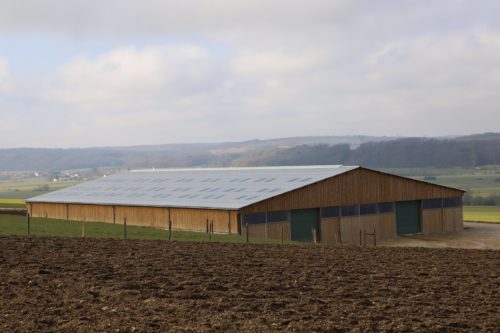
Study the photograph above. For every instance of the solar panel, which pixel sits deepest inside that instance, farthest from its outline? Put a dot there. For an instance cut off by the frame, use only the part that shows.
(223, 188)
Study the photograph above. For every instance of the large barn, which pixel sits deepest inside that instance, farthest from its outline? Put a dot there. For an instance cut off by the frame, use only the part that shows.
(337, 203)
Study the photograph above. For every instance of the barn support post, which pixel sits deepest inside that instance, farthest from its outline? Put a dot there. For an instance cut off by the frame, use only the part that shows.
(229, 222)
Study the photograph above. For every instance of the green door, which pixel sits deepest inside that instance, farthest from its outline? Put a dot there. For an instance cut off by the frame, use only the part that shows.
(408, 217)
(302, 222)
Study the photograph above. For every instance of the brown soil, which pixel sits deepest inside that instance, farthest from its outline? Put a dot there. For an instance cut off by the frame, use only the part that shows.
(75, 285)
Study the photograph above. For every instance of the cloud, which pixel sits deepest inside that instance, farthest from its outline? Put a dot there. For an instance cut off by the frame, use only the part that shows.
(133, 79)
(6, 84)
(173, 71)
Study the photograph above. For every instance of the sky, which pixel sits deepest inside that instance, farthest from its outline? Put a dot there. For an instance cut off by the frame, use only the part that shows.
(81, 73)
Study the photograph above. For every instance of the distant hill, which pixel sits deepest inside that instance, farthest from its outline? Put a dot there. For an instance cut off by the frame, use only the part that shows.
(380, 152)
(159, 156)
(400, 153)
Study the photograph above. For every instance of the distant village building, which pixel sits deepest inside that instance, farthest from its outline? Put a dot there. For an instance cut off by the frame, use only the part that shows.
(332, 204)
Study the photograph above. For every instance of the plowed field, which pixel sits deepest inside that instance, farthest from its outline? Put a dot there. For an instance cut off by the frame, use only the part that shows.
(82, 285)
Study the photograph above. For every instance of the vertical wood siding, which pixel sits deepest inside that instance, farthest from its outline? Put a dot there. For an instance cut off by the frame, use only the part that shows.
(330, 230)
(432, 221)
(453, 219)
(196, 219)
(141, 216)
(275, 229)
(48, 210)
(359, 186)
(156, 217)
(90, 213)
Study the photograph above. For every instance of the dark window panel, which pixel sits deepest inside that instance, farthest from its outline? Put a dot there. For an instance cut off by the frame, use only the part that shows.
(433, 203)
(385, 207)
(254, 218)
(330, 212)
(352, 210)
(368, 209)
(452, 202)
(277, 216)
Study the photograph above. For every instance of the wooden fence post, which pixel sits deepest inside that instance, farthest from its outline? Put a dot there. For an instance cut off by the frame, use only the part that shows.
(210, 227)
(314, 235)
(246, 231)
(282, 235)
(29, 225)
(83, 228)
(374, 237)
(125, 228)
(169, 229)
(360, 244)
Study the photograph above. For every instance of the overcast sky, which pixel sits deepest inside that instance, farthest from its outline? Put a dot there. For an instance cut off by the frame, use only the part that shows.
(98, 73)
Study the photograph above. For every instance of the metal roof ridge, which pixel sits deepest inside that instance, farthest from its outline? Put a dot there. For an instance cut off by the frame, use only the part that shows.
(287, 167)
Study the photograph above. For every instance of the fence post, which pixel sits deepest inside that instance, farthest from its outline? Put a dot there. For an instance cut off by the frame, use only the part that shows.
(314, 235)
(125, 228)
(246, 231)
(360, 243)
(169, 229)
(83, 228)
(374, 238)
(208, 230)
(29, 225)
(281, 235)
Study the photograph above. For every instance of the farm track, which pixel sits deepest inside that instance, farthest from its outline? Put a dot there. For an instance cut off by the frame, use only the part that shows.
(84, 285)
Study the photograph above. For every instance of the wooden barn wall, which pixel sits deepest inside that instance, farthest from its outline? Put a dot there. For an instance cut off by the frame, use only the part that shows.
(142, 216)
(387, 226)
(442, 220)
(182, 218)
(272, 230)
(359, 186)
(276, 229)
(432, 221)
(196, 219)
(453, 219)
(349, 229)
(48, 210)
(92, 213)
(330, 230)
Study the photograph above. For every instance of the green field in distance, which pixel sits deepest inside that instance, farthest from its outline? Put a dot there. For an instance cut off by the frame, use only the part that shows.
(482, 213)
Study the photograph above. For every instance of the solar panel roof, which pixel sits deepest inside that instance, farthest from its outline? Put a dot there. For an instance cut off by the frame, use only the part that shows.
(213, 188)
